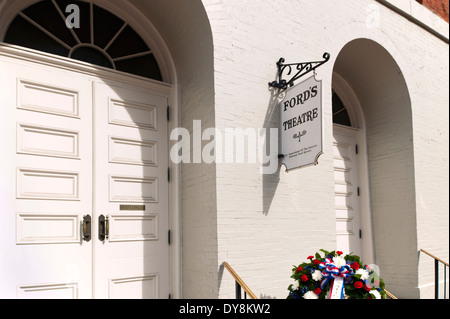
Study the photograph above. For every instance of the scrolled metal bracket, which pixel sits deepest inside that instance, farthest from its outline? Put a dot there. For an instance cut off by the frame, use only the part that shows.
(302, 68)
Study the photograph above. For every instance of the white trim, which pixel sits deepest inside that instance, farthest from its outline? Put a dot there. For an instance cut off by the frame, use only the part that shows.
(47, 59)
(354, 110)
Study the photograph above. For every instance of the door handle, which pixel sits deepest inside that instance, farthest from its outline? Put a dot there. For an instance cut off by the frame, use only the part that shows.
(87, 225)
(103, 228)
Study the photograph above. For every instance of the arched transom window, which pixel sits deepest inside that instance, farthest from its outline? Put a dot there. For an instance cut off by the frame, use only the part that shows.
(89, 33)
(340, 112)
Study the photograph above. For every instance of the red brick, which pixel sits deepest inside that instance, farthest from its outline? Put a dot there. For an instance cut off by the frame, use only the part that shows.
(440, 7)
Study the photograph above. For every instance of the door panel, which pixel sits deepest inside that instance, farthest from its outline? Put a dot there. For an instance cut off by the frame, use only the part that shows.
(347, 203)
(42, 253)
(132, 190)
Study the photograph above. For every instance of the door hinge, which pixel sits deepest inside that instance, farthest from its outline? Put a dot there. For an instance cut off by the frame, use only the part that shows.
(360, 233)
(169, 175)
(169, 237)
(357, 149)
(358, 190)
(168, 113)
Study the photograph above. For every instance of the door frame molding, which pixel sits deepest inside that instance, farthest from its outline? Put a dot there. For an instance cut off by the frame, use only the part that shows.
(168, 90)
(354, 109)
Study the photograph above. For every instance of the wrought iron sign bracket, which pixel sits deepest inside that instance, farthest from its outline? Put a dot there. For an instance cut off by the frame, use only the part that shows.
(302, 69)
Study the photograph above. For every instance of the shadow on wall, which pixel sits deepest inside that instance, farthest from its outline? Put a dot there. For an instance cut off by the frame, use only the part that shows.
(271, 120)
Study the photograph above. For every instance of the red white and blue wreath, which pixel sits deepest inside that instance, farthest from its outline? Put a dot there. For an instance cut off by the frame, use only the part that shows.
(335, 276)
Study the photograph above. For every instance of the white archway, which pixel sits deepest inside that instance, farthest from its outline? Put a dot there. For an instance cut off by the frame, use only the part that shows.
(380, 87)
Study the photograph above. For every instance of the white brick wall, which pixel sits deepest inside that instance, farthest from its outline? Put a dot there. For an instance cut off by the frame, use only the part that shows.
(263, 224)
(431, 158)
(266, 224)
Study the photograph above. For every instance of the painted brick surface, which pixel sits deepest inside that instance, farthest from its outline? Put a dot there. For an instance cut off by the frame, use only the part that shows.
(267, 223)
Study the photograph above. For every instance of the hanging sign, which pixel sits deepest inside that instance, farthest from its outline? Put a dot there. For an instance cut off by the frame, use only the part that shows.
(301, 125)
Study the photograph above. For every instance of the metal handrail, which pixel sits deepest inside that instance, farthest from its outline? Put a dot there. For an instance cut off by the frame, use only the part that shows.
(433, 256)
(390, 295)
(239, 283)
(436, 274)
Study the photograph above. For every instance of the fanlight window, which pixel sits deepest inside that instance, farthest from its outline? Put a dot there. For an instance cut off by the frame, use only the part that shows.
(102, 38)
(340, 113)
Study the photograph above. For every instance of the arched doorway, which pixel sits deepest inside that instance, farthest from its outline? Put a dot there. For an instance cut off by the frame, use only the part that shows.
(352, 204)
(85, 195)
(378, 83)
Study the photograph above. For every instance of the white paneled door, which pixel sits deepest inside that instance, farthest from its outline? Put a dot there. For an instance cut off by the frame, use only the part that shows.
(347, 190)
(83, 185)
(131, 184)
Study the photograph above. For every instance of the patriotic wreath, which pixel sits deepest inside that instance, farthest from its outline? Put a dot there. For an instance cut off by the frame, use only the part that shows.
(335, 276)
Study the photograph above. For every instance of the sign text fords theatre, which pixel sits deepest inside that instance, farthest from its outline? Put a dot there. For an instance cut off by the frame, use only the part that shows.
(301, 124)
(299, 100)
